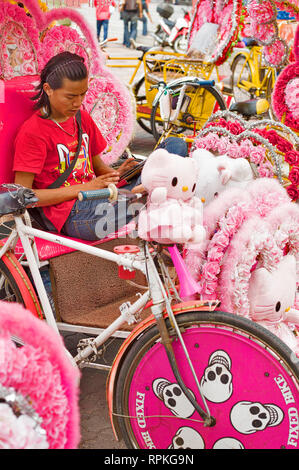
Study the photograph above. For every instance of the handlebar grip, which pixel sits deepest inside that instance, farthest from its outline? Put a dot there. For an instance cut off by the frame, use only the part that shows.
(110, 193)
(206, 82)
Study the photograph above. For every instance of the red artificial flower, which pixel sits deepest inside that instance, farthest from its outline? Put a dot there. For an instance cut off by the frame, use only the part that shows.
(292, 157)
(294, 175)
(293, 192)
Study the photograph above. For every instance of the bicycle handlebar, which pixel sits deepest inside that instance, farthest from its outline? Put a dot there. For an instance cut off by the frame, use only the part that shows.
(107, 193)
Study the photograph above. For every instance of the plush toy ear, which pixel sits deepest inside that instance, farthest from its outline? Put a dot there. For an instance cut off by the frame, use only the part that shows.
(224, 172)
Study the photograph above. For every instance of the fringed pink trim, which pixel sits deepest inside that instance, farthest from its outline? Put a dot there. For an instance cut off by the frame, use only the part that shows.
(15, 320)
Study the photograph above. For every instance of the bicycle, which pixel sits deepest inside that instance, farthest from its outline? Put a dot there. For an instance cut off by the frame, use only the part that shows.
(178, 380)
(250, 77)
(159, 65)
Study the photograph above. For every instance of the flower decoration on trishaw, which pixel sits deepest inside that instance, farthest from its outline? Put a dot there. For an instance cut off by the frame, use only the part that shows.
(38, 384)
(28, 42)
(285, 94)
(215, 29)
(251, 217)
(264, 28)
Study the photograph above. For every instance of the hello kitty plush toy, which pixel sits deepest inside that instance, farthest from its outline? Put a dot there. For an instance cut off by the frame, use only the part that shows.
(219, 173)
(173, 213)
(272, 297)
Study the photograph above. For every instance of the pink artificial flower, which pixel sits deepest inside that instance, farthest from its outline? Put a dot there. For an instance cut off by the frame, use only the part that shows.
(223, 145)
(275, 52)
(263, 11)
(221, 239)
(257, 155)
(210, 271)
(233, 150)
(263, 32)
(212, 141)
(266, 170)
(292, 97)
(19, 432)
(246, 147)
(215, 254)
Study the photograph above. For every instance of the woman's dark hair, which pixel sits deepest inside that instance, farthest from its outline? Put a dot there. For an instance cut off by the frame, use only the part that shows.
(63, 65)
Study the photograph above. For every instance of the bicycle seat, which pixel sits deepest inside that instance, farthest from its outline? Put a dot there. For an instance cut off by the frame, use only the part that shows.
(144, 49)
(169, 23)
(250, 107)
(250, 42)
(15, 198)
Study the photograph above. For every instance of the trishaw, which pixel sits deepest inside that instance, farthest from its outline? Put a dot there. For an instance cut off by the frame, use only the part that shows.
(179, 380)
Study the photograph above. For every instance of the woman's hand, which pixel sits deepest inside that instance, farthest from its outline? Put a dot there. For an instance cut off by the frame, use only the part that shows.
(128, 164)
(102, 181)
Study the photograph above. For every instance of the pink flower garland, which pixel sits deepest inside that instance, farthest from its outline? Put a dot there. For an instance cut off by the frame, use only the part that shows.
(62, 38)
(262, 15)
(254, 153)
(27, 40)
(285, 97)
(237, 145)
(228, 16)
(41, 372)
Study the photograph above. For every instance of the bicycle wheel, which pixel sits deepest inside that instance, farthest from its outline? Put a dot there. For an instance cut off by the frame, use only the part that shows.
(180, 44)
(9, 290)
(140, 98)
(198, 105)
(241, 73)
(249, 379)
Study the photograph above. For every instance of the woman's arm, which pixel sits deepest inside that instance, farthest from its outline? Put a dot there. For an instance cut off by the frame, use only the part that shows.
(50, 197)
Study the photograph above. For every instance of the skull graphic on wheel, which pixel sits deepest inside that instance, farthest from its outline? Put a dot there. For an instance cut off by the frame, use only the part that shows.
(216, 383)
(248, 417)
(173, 397)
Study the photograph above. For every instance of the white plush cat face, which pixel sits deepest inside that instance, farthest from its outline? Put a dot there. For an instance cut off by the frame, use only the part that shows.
(177, 174)
(272, 293)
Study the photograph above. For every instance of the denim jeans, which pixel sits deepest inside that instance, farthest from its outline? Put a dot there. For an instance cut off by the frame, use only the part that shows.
(94, 219)
(144, 25)
(130, 27)
(103, 23)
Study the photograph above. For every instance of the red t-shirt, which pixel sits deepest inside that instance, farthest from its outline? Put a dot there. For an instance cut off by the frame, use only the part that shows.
(44, 149)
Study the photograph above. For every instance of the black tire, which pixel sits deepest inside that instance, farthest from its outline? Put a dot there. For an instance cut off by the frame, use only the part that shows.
(9, 290)
(239, 74)
(140, 99)
(158, 127)
(144, 343)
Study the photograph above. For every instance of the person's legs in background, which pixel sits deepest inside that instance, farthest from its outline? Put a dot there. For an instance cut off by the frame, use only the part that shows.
(99, 26)
(105, 26)
(133, 30)
(126, 32)
(144, 25)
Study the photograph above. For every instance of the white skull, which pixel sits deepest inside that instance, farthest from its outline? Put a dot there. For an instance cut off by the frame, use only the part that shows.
(173, 397)
(228, 443)
(248, 417)
(187, 438)
(216, 383)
